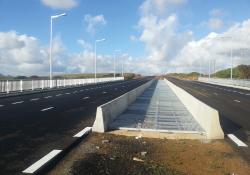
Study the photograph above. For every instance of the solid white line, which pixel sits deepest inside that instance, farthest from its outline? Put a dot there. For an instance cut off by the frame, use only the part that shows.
(48, 97)
(85, 98)
(46, 109)
(237, 101)
(34, 99)
(236, 140)
(83, 132)
(34, 167)
(18, 102)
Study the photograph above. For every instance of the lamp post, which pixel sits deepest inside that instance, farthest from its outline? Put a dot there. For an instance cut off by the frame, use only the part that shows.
(231, 53)
(50, 55)
(97, 41)
(115, 60)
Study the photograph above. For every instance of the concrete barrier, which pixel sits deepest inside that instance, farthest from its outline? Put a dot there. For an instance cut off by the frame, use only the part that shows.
(107, 112)
(205, 115)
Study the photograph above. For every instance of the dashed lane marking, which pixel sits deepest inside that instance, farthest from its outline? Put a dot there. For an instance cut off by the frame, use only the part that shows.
(34, 99)
(236, 140)
(48, 97)
(67, 93)
(46, 109)
(58, 95)
(84, 98)
(1, 106)
(104, 92)
(34, 167)
(215, 94)
(83, 132)
(18, 102)
(237, 101)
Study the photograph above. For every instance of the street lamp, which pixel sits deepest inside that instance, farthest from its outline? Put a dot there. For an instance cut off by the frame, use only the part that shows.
(97, 41)
(125, 54)
(115, 60)
(50, 55)
(230, 37)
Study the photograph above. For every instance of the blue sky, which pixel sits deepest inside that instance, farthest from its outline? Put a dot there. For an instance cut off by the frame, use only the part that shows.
(126, 26)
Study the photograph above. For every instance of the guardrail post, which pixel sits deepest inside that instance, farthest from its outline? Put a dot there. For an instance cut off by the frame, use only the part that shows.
(21, 85)
(7, 88)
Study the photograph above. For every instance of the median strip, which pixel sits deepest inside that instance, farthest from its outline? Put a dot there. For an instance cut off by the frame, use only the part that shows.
(37, 165)
(18, 102)
(236, 140)
(83, 132)
(46, 109)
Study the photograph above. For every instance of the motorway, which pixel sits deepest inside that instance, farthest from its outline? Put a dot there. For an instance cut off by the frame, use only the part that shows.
(33, 125)
(233, 106)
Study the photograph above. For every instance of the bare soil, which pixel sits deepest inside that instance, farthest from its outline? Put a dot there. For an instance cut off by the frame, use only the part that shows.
(108, 154)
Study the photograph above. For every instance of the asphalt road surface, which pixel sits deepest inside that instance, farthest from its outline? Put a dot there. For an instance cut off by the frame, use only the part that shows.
(233, 106)
(33, 125)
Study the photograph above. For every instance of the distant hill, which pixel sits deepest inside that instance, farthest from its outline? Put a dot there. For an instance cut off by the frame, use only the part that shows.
(239, 72)
(188, 76)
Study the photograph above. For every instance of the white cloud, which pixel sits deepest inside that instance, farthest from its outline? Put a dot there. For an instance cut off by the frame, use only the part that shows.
(217, 13)
(93, 22)
(60, 4)
(133, 38)
(213, 24)
(84, 44)
(158, 28)
(216, 47)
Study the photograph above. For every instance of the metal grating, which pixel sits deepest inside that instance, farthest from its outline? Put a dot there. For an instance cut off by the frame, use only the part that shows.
(158, 108)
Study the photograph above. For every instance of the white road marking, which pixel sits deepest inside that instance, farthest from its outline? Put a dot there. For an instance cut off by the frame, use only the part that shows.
(46, 109)
(1, 106)
(48, 97)
(247, 94)
(34, 99)
(85, 98)
(58, 95)
(83, 132)
(67, 93)
(104, 92)
(236, 140)
(237, 101)
(241, 93)
(34, 167)
(81, 90)
(18, 102)
(215, 94)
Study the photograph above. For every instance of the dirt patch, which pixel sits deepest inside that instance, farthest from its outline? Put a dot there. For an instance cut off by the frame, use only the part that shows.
(112, 154)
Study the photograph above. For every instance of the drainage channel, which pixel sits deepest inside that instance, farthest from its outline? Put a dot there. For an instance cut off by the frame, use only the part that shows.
(157, 109)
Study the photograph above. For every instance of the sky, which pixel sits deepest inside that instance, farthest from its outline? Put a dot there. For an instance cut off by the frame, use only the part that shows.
(153, 36)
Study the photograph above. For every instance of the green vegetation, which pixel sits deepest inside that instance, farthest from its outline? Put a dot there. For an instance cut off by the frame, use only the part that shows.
(239, 72)
(189, 76)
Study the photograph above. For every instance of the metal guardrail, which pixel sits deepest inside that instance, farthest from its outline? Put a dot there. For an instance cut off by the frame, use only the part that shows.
(222, 81)
(23, 85)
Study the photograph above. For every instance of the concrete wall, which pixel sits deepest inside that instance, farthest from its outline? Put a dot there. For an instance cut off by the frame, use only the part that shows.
(241, 84)
(107, 112)
(205, 115)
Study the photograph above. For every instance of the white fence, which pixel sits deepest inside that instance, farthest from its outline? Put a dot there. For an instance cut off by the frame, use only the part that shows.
(224, 81)
(22, 85)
